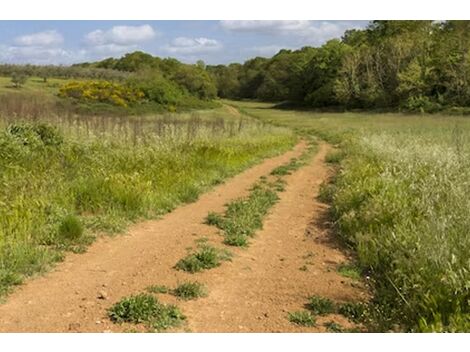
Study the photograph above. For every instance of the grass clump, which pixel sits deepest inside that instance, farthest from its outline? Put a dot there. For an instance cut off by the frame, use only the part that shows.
(349, 270)
(70, 228)
(244, 216)
(190, 290)
(320, 305)
(287, 169)
(302, 318)
(144, 308)
(205, 257)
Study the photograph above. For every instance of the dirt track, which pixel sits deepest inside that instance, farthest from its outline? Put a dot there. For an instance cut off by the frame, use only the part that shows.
(253, 293)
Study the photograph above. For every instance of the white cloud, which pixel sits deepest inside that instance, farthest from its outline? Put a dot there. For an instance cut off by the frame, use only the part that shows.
(121, 35)
(189, 46)
(42, 39)
(315, 32)
(37, 55)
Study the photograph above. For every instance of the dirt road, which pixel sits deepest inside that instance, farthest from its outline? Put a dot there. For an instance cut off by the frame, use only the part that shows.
(254, 292)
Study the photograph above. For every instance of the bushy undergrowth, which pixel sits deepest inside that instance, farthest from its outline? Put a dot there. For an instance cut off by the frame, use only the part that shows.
(100, 174)
(404, 207)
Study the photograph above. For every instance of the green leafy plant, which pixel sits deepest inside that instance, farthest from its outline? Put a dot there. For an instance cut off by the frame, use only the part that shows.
(70, 228)
(144, 308)
(190, 290)
(302, 318)
(205, 257)
(320, 305)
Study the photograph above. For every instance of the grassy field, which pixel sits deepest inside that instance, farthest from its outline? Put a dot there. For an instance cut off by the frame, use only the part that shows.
(66, 178)
(32, 85)
(400, 200)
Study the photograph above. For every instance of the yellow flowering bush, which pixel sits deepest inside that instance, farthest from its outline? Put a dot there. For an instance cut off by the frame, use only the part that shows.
(101, 91)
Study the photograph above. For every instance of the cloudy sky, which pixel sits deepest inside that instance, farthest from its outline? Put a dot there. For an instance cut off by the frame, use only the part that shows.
(66, 42)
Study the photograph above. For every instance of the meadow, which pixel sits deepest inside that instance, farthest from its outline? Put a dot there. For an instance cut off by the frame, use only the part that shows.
(68, 178)
(399, 200)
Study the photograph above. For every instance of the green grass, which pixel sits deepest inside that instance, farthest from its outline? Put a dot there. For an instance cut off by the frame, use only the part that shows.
(244, 216)
(146, 309)
(302, 318)
(70, 228)
(320, 305)
(349, 270)
(63, 184)
(400, 200)
(354, 311)
(204, 258)
(190, 290)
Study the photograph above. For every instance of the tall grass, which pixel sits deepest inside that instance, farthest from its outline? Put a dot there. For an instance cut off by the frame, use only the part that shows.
(62, 173)
(401, 200)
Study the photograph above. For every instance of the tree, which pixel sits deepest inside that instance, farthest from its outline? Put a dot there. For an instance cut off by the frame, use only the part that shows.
(18, 79)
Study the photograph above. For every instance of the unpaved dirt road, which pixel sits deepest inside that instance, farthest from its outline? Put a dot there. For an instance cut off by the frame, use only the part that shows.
(253, 293)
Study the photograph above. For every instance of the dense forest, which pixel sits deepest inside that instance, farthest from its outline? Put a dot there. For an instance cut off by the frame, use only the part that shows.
(392, 65)
(408, 65)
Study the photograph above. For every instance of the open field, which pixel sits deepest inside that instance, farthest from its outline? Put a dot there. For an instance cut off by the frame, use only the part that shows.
(400, 199)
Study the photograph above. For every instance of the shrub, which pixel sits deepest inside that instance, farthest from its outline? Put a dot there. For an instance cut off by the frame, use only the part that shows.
(101, 91)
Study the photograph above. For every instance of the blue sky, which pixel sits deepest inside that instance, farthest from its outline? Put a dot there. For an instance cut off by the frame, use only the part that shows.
(66, 42)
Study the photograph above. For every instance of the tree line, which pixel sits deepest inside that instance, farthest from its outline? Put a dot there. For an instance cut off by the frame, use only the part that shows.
(405, 65)
(409, 65)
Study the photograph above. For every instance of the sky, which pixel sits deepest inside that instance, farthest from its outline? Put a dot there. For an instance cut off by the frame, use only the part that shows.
(214, 42)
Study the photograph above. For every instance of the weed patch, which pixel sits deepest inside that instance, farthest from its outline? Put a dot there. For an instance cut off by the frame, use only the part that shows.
(320, 305)
(302, 318)
(144, 308)
(205, 257)
(190, 290)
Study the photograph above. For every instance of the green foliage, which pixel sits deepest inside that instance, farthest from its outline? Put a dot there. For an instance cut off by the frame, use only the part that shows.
(320, 305)
(350, 270)
(18, 79)
(144, 308)
(400, 201)
(302, 318)
(205, 257)
(102, 92)
(190, 290)
(144, 168)
(354, 311)
(70, 228)
(244, 216)
(417, 66)
(35, 134)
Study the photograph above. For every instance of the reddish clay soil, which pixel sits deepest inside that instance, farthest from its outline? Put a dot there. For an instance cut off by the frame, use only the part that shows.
(252, 293)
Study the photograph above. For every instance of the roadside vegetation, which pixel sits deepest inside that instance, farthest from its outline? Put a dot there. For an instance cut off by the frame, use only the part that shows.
(399, 200)
(64, 179)
(147, 310)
